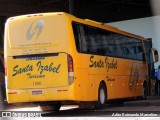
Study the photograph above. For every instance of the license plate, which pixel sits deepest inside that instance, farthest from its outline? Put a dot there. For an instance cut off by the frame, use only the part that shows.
(36, 92)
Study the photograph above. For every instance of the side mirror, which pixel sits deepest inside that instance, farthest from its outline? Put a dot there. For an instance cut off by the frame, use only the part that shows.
(155, 55)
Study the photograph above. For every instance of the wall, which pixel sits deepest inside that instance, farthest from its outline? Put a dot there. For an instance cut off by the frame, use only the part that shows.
(147, 27)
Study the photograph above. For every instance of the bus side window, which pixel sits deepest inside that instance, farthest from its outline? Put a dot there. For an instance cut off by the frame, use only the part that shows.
(76, 37)
(92, 45)
(119, 39)
(111, 47)
(108, 44)
(98, 40)
(130, 48)
(104, 44)
(80, 38)
(83, 39)
(139, 50)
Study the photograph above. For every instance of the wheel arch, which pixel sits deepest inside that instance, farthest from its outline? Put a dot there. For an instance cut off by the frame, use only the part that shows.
(103, 82)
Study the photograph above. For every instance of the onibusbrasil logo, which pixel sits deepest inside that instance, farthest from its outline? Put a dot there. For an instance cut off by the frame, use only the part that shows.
(34, 30)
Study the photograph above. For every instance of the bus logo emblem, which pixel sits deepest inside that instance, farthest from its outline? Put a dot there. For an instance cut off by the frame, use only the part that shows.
(34, 30)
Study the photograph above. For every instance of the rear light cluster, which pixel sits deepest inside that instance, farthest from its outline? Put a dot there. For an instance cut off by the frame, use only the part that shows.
(70, 70)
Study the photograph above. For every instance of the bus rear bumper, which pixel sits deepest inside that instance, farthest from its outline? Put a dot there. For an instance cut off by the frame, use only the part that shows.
(39, 95)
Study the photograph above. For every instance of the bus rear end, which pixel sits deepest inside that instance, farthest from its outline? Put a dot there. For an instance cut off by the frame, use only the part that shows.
(38, 66)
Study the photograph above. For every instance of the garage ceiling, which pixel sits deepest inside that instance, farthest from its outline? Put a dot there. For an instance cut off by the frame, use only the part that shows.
(116, 10)
(99, 10)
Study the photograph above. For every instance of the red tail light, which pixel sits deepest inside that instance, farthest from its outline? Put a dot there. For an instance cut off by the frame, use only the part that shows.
(70, 64)
(70, 70)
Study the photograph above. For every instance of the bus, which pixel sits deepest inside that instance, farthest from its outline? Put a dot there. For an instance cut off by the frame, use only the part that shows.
(53, 59)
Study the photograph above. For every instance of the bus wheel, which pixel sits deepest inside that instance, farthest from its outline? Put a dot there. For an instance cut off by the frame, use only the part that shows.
(55, 107)
(144, 90)
(102, 96)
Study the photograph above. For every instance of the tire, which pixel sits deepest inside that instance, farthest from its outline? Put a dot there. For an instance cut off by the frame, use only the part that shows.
(102, 96)
(55, 107)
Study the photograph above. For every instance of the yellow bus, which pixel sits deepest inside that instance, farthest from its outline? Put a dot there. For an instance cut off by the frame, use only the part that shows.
(55, 58)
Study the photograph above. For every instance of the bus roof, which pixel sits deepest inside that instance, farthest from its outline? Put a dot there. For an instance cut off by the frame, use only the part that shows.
(83, 21)
(103, 26)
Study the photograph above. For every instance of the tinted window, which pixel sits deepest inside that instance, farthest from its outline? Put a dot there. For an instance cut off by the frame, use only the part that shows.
(94, 40)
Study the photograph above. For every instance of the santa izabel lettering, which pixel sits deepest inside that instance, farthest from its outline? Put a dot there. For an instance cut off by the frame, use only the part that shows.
(19, 70)
(49, 68)
(39, 66)
(103, 63)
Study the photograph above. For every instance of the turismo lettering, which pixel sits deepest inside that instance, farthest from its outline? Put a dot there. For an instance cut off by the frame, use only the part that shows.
(106, 63)
(34, 76)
